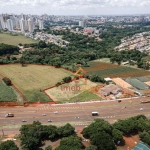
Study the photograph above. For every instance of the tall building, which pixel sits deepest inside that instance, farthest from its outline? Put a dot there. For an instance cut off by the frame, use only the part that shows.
(41, 26)
(3, 22)
(13, 21)
(30, 25)
(82, 24)
(10, 25)
(17, 23)
(22, 25)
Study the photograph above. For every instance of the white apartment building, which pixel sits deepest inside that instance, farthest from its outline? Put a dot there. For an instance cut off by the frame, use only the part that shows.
(30, 25)
(82, 24)
(17, 21)
(10, 25)
(22, 25)
(3, 22)
(41, 25)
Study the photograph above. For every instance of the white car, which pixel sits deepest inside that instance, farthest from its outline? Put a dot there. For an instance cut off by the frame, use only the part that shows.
(141, 109)
(56, 112)
(49, 120)
(24, 120)
(43, 114)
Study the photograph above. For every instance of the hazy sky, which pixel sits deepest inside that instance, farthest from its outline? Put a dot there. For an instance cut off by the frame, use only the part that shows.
(75, 7)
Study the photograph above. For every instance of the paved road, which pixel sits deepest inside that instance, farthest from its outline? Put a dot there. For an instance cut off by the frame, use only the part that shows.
(111, 111)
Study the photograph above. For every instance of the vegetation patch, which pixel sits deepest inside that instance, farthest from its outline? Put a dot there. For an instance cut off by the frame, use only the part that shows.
(85, 96)
(113, 71)
(6, 93)
(7, 38)
(32, 79)
(70, 91)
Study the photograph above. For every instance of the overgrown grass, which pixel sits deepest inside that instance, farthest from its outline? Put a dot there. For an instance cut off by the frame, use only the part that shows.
(6, 93)
(85, 96)
(7, 38)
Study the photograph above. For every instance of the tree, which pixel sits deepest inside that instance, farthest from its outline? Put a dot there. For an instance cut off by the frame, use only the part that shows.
(145, 137)
(48, 147)
(66, 130)
(70, 143)
(117, 135)
(92, 147)
(103, 141)
(8, 145)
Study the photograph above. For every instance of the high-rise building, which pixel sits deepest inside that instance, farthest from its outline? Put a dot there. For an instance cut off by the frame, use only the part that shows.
(13, 21)
(41, 26)
(10, 25)
(30, 25)
(17, 23)
(22, 25)
(3, 22)
(82, 24)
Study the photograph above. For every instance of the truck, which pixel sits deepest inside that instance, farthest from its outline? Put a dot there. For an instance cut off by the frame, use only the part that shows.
(9, 115)
(95, 113)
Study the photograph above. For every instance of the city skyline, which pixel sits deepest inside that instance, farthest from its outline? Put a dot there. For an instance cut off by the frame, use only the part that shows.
(75, 7)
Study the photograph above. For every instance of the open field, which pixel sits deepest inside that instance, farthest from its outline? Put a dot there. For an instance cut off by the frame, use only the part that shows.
(113, 71)
(32, 79)
(70, 91)
(6, 93)
(6, 38)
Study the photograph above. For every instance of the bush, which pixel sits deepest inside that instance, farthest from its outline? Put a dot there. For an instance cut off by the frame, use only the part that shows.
(7, 81)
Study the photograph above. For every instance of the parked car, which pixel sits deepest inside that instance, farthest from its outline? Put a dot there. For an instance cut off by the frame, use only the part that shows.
(43, 114)
(49, 120)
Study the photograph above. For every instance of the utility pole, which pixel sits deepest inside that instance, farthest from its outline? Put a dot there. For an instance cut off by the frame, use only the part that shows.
(3, 132)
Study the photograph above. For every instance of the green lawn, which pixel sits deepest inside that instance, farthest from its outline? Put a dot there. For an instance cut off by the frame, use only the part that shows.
(30, 80)
(7, 38)
(85, 96)
(6, 93)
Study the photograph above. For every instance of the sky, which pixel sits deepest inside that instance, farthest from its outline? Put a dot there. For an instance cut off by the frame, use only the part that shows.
(75, 7)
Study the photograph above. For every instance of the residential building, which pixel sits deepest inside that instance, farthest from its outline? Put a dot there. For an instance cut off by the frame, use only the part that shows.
(10, 25)
(22, 25)
(30, 25)
(82, 24)
(41, 24)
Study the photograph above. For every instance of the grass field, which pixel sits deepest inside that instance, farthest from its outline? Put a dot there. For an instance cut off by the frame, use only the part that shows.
(113, 71)
(31, 79)
(85, 96)
(6, 93)
(6, 38)
(65, 92)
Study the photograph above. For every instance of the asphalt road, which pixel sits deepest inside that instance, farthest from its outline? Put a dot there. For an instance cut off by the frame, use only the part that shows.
(79, 114)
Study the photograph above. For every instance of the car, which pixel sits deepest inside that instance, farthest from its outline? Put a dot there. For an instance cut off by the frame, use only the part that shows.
(119, 101)
(56, 112)
(43, 114)
(49, 120)
(141, 109)
(24, 120)
(84, 140)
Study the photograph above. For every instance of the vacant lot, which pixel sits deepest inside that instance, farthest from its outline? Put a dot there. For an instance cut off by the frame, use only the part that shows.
(113, 71)
(32, 79)
(6, 93)
(70, 92)
(6, 38)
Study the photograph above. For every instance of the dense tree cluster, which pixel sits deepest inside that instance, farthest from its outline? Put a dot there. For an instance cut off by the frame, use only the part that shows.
(100, 134)
(32, 135)
(6, 49)
(8, 145)
(106, 136)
